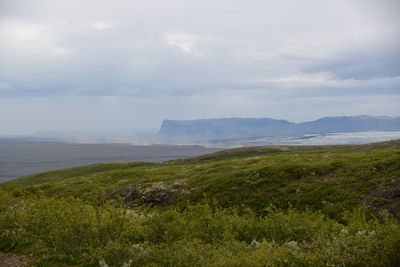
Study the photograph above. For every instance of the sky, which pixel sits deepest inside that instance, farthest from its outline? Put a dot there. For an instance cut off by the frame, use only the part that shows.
(128, 65)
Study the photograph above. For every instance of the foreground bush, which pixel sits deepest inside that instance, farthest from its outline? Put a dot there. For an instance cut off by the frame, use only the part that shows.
(72, 232)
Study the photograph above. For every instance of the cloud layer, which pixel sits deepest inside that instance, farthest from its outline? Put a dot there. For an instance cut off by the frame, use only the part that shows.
(238, 58)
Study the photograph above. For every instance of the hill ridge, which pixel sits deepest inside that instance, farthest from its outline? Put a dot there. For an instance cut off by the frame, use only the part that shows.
(230, 128)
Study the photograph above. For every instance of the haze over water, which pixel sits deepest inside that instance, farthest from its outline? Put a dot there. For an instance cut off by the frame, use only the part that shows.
(22, 157)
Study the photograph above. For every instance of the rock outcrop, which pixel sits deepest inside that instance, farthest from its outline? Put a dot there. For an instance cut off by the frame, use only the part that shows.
(153, 194)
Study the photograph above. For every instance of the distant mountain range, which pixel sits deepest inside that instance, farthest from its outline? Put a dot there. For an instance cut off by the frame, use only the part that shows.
(230, 128)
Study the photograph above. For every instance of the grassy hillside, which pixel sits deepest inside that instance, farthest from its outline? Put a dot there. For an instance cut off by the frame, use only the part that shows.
(328, 178)
(256, 206)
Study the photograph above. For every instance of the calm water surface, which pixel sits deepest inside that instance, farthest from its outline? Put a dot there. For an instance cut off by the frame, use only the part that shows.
(19, 158)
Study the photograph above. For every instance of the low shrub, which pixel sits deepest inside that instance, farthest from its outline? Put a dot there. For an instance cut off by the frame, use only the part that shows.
(69, 231)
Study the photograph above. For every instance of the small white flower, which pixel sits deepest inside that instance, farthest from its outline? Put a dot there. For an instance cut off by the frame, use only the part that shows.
(372, 233)
(362, 232)
(127, 264)
(292, 244)
(135, 215)
(103, 263)
(255, 243)
(138, 248)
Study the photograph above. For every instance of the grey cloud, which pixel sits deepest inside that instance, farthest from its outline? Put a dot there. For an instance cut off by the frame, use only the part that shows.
(231, 54)
(363, 62)
(90, 51)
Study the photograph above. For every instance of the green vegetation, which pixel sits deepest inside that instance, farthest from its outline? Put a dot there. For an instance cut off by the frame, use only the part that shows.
(260, 206)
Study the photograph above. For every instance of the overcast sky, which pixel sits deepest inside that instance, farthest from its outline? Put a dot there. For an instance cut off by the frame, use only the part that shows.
(127, 65)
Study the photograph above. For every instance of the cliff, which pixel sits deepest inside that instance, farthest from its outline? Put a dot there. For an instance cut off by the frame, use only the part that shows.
(229, 128)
